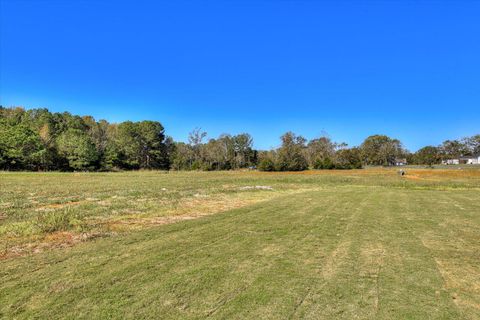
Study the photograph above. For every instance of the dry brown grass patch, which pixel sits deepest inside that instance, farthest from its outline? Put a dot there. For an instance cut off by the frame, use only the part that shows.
(371, 262)
(54, 206)
(335, 259)
(60, 239)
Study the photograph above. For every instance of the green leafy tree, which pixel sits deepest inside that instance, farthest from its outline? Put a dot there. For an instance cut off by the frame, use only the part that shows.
(428, 155)
(78, 149)
(20, 147)
(454, 149)
(348, 159)
(214, 155)
(290, 155)
(12, 116)
(320, 152)
(323, 163)
(266, 161)
(473, 144)
(381, 150)
(142, 144)
(243, 147)
(182, 157)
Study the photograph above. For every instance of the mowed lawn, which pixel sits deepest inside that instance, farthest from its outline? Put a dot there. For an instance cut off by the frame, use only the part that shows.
(364, 244)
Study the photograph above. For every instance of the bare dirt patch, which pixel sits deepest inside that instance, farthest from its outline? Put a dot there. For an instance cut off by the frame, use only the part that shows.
(256, 188)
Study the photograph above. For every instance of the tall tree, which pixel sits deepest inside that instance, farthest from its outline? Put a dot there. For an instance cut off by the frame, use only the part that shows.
(143, 145)
(243, 146)
(290, 155)
(454, 149)
(348, 159)
(195, 139)
(473, 144)
(266, 161)
(78, 149)
(428, 155)
(320, 153)
(381, 150)
(20, 147)
(182, 157)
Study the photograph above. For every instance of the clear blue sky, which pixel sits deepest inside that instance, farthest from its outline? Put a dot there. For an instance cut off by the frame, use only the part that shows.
(409, 69)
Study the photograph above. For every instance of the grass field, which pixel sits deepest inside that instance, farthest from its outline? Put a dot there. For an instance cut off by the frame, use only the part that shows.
(361, 244)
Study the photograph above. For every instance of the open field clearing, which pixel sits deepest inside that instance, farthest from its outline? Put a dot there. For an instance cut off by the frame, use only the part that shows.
(360, 244)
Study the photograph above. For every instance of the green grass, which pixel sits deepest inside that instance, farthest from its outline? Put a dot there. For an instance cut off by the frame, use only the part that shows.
(330, 245)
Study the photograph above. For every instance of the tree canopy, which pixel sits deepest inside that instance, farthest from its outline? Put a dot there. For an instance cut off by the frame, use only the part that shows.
(381, 150)
(37, 139)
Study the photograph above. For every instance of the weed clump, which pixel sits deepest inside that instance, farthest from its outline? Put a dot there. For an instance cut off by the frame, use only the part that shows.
(58, 220)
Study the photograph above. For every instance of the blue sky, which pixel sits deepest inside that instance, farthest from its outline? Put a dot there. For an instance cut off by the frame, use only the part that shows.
(409, 69)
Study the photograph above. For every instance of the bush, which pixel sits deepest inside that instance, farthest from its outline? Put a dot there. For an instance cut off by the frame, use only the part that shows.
(197, 165)
(266, 164)
(296, 162)
(348, 159)
(324, 164)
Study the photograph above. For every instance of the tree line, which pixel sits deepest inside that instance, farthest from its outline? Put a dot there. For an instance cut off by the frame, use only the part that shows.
(449, 149)
(37, 139)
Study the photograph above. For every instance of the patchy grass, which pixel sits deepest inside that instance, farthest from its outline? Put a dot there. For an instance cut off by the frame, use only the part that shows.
(356, 244)
(34, 205)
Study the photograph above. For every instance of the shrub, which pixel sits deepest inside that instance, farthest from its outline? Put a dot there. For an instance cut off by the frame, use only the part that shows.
(324, 164)
(266, 164)
(348, 159)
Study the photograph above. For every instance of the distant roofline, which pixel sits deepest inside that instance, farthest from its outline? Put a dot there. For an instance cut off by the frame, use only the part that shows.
(475, 156)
